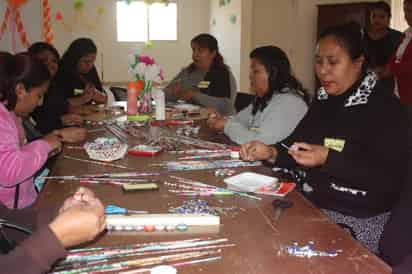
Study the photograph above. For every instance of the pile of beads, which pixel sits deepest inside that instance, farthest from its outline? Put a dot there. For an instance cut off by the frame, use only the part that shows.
(149, 228)
(224, 172)
(105, 149)
(200, 207)
(194, 206)
(188, 131)
(307, 251)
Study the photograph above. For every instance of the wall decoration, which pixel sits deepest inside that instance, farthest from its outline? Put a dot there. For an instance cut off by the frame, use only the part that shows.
(79, 20)
(223, 3)
(233, 19)
(12, 21)
(47, 30)
(214, 22)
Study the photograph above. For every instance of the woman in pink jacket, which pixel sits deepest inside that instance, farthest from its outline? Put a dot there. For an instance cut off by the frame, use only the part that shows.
(23, 82)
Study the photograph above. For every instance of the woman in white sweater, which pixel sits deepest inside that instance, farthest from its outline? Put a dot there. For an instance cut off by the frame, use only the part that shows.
(280, 101)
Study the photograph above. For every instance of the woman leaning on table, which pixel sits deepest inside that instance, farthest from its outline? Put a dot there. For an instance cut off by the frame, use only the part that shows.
(77, 75)
(207, 81)
(351, 143)
(80, 219)
(23, 83)
(279, 104)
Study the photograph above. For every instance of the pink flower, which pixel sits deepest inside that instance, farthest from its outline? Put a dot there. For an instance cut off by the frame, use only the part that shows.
(146, 59)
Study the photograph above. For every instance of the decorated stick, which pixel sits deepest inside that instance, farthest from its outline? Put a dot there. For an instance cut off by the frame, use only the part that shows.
(95, 162)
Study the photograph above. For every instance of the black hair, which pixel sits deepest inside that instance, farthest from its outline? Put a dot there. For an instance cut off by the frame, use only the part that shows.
(381, 5)
(19, 69)
(77, 49)
(208, 41)
(278, 67)
(349, 37)
(39, 47)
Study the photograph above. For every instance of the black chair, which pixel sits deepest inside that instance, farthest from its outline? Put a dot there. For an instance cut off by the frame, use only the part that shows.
(243, 100)
(120, 94)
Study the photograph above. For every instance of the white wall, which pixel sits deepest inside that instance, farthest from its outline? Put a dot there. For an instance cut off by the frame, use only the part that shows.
(193, 18)
(30, 13)
(227, 33)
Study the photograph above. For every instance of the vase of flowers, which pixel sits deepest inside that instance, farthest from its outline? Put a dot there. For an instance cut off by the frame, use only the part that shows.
(144, 68)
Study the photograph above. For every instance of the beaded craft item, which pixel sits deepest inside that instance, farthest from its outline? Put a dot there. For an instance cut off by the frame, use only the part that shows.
(105, 149)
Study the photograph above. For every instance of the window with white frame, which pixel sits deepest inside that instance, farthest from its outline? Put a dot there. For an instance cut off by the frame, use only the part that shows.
(141, 22)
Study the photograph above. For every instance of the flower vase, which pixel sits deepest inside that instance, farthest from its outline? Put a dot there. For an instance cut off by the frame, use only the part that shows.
(144, 107)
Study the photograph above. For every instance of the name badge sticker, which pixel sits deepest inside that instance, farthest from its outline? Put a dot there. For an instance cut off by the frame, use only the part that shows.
(335, 144)
(203, 84)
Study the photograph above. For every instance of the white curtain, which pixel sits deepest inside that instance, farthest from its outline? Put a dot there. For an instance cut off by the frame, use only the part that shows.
(398, 18)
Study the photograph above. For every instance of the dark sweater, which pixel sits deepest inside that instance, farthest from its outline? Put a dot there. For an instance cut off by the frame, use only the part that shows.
(55, 105)
(379, 51)
(396, 241)
(373, 160)
(35, 254)
(68, 81)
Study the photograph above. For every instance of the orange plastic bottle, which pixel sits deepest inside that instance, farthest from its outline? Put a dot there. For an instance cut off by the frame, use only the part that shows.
(133, 91)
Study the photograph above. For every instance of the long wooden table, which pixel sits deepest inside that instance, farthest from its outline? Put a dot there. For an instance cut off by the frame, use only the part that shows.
(251, 227)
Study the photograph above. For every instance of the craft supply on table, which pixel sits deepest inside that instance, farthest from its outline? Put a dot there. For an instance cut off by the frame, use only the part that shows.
(306, 251)
(129, 264)
(107, 176)
(161, 221)
(222, 172)
(79, 259)
(106, 149)
(188, 130)
(113, 209)
(200, 206)
(139, 187)
(187, 187)
(259, 184)
(279, 206)
(95, 162)
(118, 132)
(144, 150)
(199, 151)
(204, 164)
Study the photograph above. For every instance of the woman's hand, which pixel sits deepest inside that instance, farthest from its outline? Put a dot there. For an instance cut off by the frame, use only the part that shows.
(216, 121)
(88, 94)
(54, 141)
(72, 134)
(72, 119)
(309, 155)
(99, 97)
(79, 220)
(256, 151)
(82, 194)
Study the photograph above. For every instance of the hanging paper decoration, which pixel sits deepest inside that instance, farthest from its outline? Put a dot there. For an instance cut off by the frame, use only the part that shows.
(149, 44)
(79, 20)
(12, 21)
(47, 31)
(233, 19)
(15, 4)
(223, 3)
(213, 22)
(59, 18)
(78, 4)
(100, 10)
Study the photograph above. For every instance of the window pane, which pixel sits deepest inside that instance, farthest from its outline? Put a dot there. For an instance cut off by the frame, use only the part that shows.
(163, 21)
(131, 21)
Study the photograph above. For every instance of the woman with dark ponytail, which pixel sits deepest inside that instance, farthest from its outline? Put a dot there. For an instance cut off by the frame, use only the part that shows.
(207, 81)
(279, 104)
